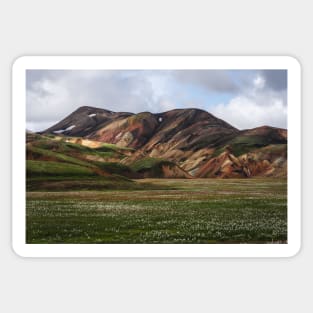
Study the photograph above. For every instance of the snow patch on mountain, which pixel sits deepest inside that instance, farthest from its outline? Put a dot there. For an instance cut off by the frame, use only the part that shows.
(70, 128)
(60, 131)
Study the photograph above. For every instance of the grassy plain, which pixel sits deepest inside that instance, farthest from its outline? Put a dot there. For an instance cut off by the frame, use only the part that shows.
(163, 211)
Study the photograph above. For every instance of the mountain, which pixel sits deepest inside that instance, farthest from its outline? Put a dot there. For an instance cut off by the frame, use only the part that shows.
(84, 121)
(186, 128)
(181, 143)
(270, 161)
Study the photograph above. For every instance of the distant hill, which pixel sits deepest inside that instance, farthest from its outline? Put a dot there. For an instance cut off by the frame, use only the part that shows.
(181, 143)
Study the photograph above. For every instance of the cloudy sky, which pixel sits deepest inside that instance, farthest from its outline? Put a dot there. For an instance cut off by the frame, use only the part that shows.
(243, 98)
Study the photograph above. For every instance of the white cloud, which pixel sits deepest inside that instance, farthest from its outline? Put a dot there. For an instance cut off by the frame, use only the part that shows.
(242, 112)
(259, 82)
(166, 105)
(257, 104)
(259, 97)
(52, 97)
(46, 103)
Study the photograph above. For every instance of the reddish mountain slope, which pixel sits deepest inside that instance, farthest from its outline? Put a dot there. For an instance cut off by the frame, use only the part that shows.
(198, 143)
(268, 161)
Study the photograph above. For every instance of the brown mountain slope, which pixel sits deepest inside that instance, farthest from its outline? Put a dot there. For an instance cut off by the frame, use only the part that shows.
(174, 135)
(85, 120)
(158, 168)
(131, 131)
(198, 143)
(189, 129)
(186, 129)
(272, 133)
(270, 161)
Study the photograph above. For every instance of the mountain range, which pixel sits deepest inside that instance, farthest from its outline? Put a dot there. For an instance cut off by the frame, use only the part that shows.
(180, 143)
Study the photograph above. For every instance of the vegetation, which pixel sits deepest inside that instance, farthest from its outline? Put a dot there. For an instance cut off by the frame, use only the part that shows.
(59, 176)
(48, 168)
(243, 144)
(106, 147)
(64, 147)
(44, 153)
(149, 163)
(55, 164)
(115, 168)
(176, 211)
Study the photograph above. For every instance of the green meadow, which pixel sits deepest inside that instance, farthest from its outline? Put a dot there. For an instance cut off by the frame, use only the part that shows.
(153, 210)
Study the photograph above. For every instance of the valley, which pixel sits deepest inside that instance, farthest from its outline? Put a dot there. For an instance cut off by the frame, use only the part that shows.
(182, 176)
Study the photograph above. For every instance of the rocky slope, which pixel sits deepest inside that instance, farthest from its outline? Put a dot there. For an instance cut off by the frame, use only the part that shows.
(270, 161)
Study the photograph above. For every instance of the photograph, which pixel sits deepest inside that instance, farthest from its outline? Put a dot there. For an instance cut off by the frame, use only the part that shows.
(156, 156)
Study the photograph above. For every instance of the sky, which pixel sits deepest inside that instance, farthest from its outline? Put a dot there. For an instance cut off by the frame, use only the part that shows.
(243, 98)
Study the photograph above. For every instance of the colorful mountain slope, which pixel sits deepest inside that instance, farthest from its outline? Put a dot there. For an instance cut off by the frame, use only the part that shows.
(179, 143)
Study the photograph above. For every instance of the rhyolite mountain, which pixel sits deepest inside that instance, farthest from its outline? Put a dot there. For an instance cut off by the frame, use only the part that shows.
(186, 128)
(178, 143)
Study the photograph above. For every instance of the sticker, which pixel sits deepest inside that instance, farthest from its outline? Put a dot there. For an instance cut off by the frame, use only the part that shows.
(156, 156)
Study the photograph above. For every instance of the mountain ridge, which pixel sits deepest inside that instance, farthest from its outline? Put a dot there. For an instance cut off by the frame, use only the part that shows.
(197, 142)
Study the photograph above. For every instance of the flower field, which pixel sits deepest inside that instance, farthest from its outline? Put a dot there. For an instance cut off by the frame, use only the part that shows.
(180, 211)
